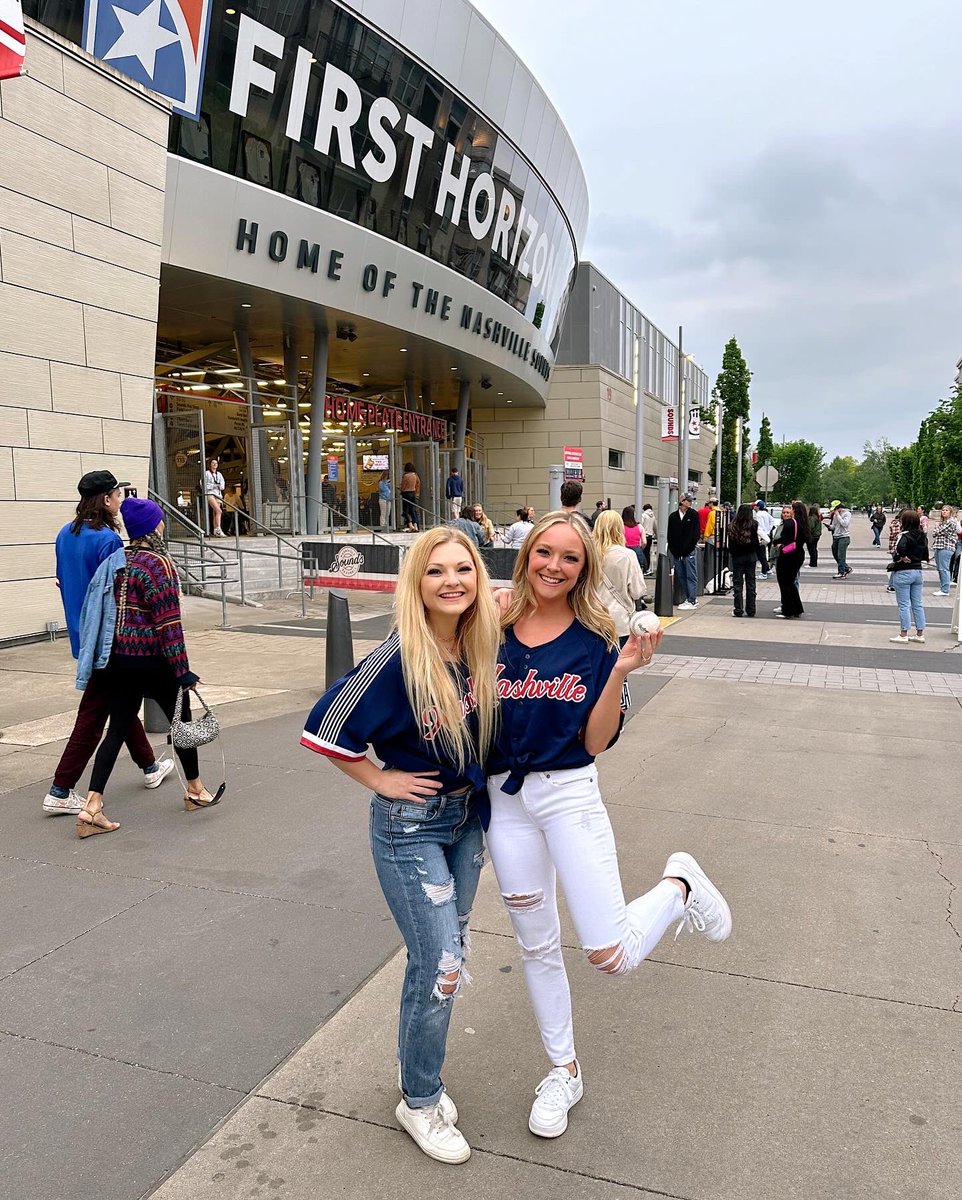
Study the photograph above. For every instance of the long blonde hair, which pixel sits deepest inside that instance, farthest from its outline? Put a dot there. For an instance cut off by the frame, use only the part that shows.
(427, 680)
(583, 597)
(609, 531)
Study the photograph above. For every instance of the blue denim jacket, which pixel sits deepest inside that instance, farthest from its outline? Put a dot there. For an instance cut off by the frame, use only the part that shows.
(98, 618)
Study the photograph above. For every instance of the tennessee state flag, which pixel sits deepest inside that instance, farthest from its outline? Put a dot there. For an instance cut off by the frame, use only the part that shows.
(13, 42)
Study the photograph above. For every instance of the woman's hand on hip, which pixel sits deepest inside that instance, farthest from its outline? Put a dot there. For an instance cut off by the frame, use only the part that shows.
(416, 786)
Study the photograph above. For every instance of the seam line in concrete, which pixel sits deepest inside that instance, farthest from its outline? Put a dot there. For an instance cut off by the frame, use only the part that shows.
(808, 987)
(530, 1162)
(175, 883)
(124, 1062)
(83, 933)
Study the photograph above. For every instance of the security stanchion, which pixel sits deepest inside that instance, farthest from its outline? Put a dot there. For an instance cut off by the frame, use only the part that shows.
(663, 588)
(340, 643)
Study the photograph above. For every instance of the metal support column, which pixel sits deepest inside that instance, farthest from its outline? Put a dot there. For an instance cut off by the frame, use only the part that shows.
(663, 598)
(255, 413)
(315, 454)
(461, 425)
(639, 430)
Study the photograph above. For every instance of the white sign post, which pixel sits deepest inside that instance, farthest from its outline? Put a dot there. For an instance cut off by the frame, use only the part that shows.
(766, 477)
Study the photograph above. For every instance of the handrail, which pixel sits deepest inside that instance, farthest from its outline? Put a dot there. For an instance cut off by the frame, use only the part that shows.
(260, 525)
(172, 511)
(349, 525)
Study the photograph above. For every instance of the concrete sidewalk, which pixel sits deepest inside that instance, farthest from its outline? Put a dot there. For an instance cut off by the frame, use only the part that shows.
(212, 997)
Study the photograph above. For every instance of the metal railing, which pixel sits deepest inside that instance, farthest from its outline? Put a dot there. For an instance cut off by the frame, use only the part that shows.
(298, 556)
(346, 526)
(207, 552)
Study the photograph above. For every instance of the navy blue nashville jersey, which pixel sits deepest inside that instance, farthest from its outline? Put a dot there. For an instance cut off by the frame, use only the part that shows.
(369, 707)
(547, 694)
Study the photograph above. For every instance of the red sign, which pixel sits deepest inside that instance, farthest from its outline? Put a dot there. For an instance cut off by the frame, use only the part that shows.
(383, 416)
(574, 463)
(13, 42)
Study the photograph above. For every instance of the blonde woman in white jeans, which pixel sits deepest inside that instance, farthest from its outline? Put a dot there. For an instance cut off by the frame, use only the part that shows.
(562, 687)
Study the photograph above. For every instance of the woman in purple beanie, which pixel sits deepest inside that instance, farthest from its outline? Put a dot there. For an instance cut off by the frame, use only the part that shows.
(148, 657)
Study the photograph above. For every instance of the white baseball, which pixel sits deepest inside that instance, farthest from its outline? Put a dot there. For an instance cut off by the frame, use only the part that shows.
(643, 622)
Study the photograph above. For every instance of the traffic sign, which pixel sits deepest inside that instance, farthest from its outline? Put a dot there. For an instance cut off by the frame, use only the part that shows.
(766, 477)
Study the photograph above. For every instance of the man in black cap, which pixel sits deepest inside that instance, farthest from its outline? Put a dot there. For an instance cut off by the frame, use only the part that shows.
(82, 545)
(684, 532)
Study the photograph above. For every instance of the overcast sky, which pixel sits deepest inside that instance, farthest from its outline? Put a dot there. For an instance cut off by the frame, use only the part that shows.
(787, 174)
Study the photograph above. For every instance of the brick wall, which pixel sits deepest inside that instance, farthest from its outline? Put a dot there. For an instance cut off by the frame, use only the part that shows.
(82, 174)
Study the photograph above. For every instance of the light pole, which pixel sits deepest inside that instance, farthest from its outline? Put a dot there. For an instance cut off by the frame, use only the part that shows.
(718, 447)
(738, 471)
(683, 422)
(639, 430)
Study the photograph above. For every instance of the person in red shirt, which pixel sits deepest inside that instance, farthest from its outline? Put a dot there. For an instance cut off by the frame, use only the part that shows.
(703, 514)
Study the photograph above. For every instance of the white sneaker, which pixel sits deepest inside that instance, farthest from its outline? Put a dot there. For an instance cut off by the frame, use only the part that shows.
(902, 637)
(917, 637)
(687, 605)
(449, 1108)
(218, 533)
(53, 806)
(940, 593)
(434, 1133)
(555, 1095)
(156, 778)
(706, 910)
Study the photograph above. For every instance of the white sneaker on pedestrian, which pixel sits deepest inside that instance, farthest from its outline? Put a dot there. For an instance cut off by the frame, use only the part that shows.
(555, 1096)
(917, 637)
(56, 806)
(448, 1106)
(765, 576)
(687, 605)
(219, 533)
(705, 910)
(434, 1133)
(939, 593)
(154, 779)
(902, 637)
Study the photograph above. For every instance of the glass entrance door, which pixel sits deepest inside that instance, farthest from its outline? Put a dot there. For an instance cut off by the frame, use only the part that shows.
(425, 456)
(375, 464)
(338, 483)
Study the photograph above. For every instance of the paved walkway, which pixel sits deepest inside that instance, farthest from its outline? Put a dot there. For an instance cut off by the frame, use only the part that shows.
(202, 1006)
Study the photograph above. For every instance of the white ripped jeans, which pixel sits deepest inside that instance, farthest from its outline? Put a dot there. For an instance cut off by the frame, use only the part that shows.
(557, 825)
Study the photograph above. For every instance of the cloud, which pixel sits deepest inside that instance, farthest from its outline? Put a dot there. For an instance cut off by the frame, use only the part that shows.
(833, 261)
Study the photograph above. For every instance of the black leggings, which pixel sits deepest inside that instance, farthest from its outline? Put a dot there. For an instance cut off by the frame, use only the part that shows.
(787, 567)
(128, 682)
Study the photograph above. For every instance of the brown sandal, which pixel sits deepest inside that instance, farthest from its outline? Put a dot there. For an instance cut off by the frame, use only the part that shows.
(90, 823)
(202, 799)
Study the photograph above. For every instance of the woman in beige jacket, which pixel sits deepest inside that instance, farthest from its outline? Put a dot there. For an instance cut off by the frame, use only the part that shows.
(622, 581)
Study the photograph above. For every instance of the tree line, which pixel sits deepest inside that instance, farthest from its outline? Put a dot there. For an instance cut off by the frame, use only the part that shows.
(927, 472)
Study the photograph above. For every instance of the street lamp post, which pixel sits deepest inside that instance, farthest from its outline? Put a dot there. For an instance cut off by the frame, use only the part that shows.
(639, 430)
(718, 447)
(738, 463)
(682, 422)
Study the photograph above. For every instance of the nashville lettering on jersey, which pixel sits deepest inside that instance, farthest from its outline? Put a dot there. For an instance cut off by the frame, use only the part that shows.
(563, 687)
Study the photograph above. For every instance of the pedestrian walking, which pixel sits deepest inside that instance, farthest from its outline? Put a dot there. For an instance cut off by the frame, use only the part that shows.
(877, 521)
(911, 551)
(425, 701)
(518, 530)
(841, 526)
(814, 533)
(214, 488)
(454, 493)
(561, 683)
(743, 550)
(147, 653)
(385, 499)
(635, 538)
(895, 532)
(650, 527)
(623, 585)
(945, 538)
(766, 525)
(410, 495)
(791, 539)
(82, 545)
(684, 532)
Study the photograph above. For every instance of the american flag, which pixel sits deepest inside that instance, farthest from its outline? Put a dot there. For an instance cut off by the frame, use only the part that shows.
(13, 43)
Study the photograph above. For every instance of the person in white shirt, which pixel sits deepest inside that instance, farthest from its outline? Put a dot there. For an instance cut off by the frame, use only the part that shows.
(519, 530)
(766, 523)
(214, 486)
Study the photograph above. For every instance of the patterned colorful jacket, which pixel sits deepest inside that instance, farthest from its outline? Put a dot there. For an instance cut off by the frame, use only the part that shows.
(148, 618)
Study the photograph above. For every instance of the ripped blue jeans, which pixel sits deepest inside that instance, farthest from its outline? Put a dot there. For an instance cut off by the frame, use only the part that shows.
(428, 860)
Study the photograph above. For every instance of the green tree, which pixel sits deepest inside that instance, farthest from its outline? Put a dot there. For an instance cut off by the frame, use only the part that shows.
(799, 466)
(731, 387)
(899, 462)
(839, 479)
(765, 445)
(874, 484)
